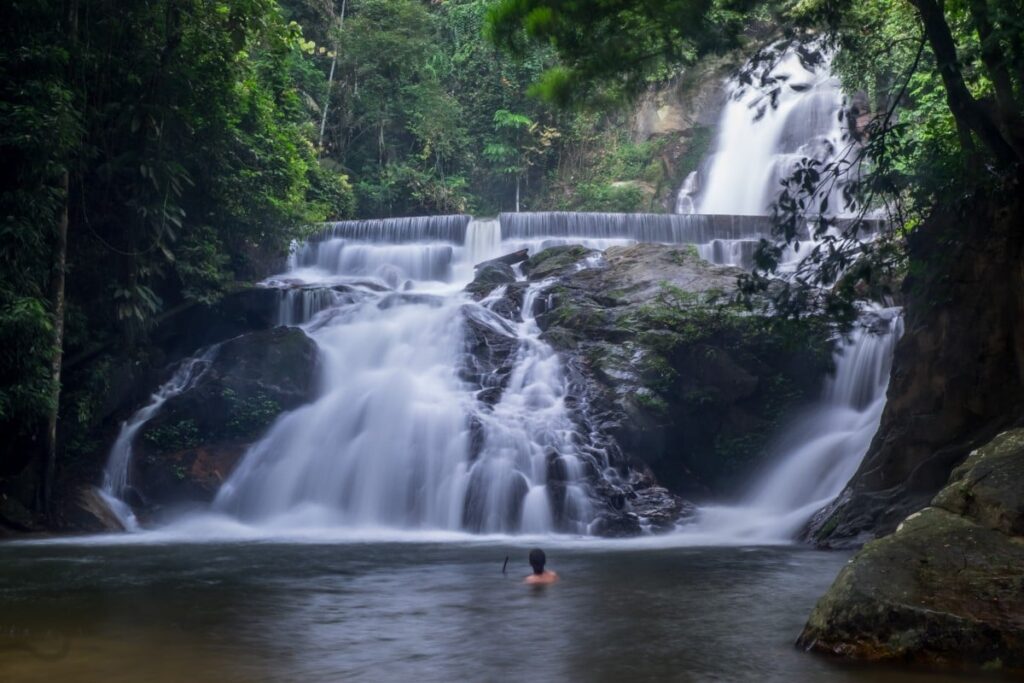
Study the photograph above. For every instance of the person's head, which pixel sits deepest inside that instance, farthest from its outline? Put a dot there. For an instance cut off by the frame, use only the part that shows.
(537, 560)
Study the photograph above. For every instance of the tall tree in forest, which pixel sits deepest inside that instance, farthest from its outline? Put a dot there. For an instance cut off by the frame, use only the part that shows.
(154, 153)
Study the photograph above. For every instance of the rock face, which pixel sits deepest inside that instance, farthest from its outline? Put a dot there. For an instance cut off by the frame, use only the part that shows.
(958, 371)
(682, 380)
(947, 587)
(673, 384)
(194, 441)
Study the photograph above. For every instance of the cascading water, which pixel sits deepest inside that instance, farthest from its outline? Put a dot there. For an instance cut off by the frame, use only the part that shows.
(816, 456)
(117, 474)
(413, 430)
(759, 145)
(398, 437)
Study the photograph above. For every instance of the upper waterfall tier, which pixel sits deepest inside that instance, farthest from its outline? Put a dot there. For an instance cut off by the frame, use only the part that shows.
(397, 230)
(431, 248)
(641, 227)
(762, 137)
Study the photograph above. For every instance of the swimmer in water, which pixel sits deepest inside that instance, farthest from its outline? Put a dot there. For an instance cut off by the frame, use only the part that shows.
(540, 576)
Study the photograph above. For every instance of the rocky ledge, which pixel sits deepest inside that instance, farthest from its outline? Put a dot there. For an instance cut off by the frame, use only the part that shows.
(947, 587)
(686, 381)
(671, 383)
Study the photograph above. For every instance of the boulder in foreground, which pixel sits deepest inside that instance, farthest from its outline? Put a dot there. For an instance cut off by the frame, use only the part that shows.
(947, 588)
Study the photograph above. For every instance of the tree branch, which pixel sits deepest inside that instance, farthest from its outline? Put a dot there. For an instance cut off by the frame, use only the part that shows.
(966, 110)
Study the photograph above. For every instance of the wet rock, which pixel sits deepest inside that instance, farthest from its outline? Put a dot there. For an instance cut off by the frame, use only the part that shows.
(508, 259)
(14, 515)
(406, 299)
(510, 306)
(555, 261)
(194, 441)
(477, 437)
(679, 377)
(621, 525)
(490, 275)
(95, 506)
(947, 587)
(490, 350)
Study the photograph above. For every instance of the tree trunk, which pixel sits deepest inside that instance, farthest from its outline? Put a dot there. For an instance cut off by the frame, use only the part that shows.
(965, 108)
(48, 460)
(60, 252)
(517, 194)
(330, 83)
(996, 63)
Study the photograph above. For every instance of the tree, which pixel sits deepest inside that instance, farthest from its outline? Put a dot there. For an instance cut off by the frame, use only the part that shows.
(153, 153)
(519, 145)
(38, 132)
(974, 51)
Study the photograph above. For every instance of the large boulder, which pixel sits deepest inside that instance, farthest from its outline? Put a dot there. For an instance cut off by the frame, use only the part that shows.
(195, 439)
(947, 587)
(556, 260)
(684, 380)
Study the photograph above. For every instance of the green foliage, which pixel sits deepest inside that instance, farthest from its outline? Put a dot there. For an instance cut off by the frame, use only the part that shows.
(330, 193)
(947, 116)
(174, 437)
(184, 132)
(636, 42)
(250, 413)
(38, 130)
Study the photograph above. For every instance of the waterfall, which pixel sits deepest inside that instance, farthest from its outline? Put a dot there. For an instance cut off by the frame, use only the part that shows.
(757, 148)
(761, 143)
(435, 411)
(451, 229)
(399, 436)
(117, 474)
(819, 452)
(483, 240)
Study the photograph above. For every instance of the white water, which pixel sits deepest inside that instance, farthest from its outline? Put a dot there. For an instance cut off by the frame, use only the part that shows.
(758, 146)
(117, 474)
(400, 438)
(389, 442)
(816, 456)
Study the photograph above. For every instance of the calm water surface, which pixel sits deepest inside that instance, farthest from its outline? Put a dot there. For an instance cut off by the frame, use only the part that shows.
(263, 611)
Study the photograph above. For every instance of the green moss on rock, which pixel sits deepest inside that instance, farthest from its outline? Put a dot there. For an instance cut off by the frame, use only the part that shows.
(947, 587)
(694, 382)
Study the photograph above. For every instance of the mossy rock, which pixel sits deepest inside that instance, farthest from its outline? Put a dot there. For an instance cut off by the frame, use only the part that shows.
(947, 587)
(194, 441)
(688, 382)
(555, 261)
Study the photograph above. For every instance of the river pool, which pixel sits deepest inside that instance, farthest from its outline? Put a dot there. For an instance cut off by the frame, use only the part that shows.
(107, 610)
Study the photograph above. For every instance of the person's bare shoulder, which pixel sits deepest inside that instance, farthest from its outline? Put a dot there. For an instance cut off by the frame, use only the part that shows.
(541, 579)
